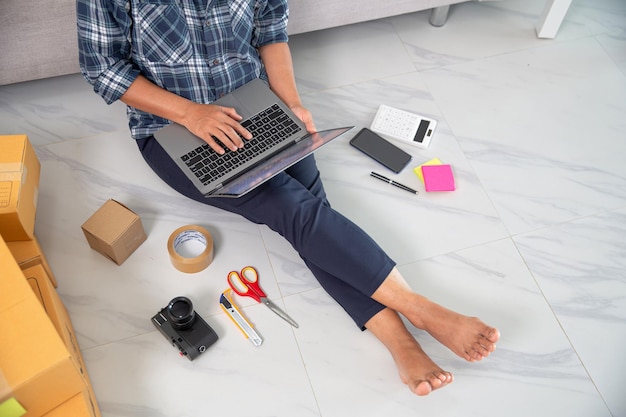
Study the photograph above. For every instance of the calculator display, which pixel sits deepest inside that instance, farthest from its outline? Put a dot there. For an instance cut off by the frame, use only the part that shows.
(422, 131)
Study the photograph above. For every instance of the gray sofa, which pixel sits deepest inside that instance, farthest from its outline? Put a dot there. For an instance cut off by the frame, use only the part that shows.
(310, 15)
(38, 39)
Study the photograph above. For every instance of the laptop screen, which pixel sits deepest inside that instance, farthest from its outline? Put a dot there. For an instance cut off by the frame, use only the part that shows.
(278, 163)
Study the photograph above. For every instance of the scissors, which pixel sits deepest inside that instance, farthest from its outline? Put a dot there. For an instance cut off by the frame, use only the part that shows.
(246, 283)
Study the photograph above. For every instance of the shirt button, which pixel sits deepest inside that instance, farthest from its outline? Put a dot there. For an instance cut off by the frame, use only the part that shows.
(216, 62)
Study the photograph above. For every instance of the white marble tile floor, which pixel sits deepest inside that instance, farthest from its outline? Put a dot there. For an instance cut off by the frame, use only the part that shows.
(532, 241)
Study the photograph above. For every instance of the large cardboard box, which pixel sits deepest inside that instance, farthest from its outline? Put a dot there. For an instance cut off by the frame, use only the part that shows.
(19, 186)
(84, 404)
(81, 405)
(28, 253)
(115, 231)
(37, 366)
(55, 309)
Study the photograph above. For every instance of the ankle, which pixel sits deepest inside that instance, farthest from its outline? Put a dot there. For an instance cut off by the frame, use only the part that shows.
(422, 312)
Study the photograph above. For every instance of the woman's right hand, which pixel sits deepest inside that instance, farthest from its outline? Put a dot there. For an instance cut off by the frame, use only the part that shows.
(216, 125)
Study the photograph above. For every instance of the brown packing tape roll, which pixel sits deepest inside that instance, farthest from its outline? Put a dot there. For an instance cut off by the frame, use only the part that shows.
(190, 248)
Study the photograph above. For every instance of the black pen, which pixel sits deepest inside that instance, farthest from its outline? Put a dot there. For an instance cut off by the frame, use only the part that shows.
(392, 182)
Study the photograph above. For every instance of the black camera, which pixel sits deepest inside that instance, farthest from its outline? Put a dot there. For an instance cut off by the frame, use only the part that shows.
(180, 324)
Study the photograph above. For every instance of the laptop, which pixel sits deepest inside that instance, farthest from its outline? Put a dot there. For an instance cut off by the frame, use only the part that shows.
(279, 140)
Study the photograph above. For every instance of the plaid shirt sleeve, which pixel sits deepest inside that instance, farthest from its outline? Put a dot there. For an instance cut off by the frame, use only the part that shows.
(270, 23)
(197, 49)
(103, 28)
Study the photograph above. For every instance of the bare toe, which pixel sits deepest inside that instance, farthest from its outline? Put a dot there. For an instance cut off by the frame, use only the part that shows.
(493, 336)
(487, 343)
(423, 388)
(435, 381)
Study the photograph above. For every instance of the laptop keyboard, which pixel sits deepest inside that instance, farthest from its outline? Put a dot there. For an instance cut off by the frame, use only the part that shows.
(269, 128)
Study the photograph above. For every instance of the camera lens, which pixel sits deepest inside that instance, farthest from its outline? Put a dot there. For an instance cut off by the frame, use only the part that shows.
(180, 312)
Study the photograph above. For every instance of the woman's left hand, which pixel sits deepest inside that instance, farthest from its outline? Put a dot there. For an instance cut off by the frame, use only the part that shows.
(306, 117)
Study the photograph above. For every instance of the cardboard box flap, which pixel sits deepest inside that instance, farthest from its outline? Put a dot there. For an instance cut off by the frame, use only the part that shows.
(19, 187)
(13, 290)
(28, 253)
(109, 220)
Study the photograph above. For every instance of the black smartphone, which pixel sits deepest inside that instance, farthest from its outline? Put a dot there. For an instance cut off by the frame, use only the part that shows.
(381, 150)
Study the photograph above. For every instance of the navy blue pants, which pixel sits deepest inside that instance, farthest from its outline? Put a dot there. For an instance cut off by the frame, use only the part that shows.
(348, 264)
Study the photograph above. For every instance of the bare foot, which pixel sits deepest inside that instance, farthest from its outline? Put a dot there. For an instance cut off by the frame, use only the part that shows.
(468, 337)
(416, 369)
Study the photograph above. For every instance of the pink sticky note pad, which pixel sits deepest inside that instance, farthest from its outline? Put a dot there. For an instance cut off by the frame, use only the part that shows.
(438, 178)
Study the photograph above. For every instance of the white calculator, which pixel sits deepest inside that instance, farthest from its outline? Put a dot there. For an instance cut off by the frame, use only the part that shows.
(404, 126)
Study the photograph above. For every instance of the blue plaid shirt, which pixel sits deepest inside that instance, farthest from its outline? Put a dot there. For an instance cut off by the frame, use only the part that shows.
(198, 49)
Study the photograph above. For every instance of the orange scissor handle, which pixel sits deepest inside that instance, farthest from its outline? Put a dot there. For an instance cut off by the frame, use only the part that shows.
(246, 283)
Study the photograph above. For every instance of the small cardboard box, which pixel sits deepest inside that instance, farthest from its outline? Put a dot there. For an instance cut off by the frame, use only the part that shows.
(37, 366)
(115, 231)
(28, 253)
(19, 186)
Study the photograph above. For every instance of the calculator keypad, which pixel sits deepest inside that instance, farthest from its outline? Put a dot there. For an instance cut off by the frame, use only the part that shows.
(397, 123)
(403, 126)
